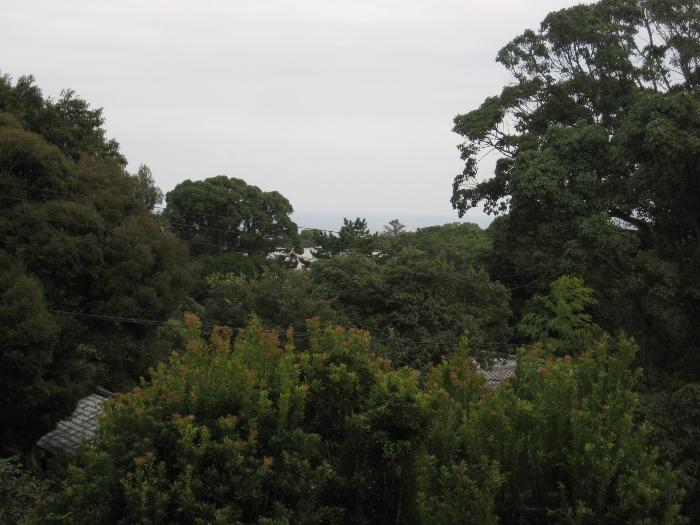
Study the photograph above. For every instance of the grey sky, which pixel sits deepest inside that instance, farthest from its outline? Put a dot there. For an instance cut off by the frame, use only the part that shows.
(343, 107)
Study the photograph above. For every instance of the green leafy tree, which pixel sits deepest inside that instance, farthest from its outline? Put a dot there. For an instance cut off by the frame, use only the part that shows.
(254, 433)
(278, 297)
(260, 432)
(353, 237)
(221, 214)
(84, 249)
(560, 320)
(673, 413)
(454, 485)
(20, 492)
(146, 190)
(557, 444)
(38, 379)
(464, 244)
(417, 304)
(97, 252)
(598, 144)
(67, 122)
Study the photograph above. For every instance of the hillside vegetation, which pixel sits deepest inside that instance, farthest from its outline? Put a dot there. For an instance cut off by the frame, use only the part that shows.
(263, 389)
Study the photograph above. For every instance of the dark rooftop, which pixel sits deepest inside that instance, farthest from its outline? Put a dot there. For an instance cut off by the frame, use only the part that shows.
(498, 370)
(81, 427)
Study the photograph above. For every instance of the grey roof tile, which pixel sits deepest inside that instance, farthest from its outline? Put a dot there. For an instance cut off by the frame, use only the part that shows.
(499, 370)
(70, 434)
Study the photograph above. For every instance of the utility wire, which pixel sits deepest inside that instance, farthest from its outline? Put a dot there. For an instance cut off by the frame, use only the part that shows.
(279, 332)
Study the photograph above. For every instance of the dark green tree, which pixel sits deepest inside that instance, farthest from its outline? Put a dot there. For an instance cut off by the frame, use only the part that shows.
(226, 215)
(598, 139)
(255, 432)
(464, 244)
(393, 228)
(39, 380)
(353, 237)
(21, 492)
(84, 249)
(67, 122)
(417, 304)
(279, 298)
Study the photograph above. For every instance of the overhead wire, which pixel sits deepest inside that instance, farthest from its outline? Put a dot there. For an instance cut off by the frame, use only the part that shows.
(280, 332)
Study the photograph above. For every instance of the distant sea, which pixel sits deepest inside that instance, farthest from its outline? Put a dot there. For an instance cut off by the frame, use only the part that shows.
(333, 220)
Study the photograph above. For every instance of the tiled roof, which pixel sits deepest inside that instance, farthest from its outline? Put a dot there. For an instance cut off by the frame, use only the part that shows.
(498, 370)
(81, 427)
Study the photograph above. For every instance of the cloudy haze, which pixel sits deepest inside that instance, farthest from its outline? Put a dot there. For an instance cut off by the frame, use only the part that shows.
(344, 107)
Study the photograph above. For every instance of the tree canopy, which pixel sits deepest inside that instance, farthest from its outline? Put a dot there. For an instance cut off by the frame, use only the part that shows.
(418, 304)
(261, 432)
(599, 155)
(353, 237)
(224, 214)
(447, 375)
(78, 243)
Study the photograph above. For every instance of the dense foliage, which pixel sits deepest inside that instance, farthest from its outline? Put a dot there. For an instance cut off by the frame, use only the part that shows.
(76, 236)
(260, 432)
(388, 419)
(599, 144)
(254, 433)
(20, 492)
(419, 305)
(598, 138)
(222, 214)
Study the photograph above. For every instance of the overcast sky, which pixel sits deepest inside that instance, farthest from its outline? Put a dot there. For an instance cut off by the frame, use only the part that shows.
(346, 107)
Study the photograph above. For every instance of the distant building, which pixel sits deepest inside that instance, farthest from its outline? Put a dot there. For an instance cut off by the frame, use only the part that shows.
(302, 259)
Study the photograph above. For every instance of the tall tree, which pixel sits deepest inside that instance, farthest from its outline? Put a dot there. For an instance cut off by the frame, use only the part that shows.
(84, 250)
(353, 237)
(68, 122)
(224, 214)
(146, 190)
(393, 228)
(599, 143)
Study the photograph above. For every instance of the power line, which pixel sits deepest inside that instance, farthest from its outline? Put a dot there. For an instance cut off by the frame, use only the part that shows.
(153, 322)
